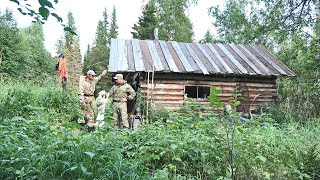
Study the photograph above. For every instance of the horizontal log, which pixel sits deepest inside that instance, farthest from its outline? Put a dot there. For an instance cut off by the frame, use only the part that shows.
(169, 98)
(168, 102)
(164, 86)
(162, 92)
(249, 94)
(223, 78)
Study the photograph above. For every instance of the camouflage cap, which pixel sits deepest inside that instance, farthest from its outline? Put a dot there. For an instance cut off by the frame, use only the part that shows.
(118, 76)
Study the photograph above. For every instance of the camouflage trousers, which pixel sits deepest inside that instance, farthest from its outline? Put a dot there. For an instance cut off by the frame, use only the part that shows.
(120, 115)
(87, 111)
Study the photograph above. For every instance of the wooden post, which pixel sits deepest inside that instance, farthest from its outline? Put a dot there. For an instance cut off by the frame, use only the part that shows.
(147, 113)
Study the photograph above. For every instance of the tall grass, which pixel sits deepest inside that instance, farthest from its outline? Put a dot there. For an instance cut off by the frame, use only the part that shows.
(42, 143)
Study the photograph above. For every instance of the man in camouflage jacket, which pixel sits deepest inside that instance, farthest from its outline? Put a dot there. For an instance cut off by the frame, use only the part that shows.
(121, 92)
(86, 96)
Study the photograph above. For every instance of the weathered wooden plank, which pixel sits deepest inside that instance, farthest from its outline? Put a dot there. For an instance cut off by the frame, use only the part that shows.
(219, 85)
(261, 84)
(208, 57)
(245, 59)
(146, 56)
(162, 58)
(155, 57)
(130, 55)
(194, 56)
(233, 60)
(113, 56)
(176, 58)
(156, 92)
(254, 58)
(184, 61)
(168, 98)
(169, 102)
(138, 61)
(165, 86)
(168, 57)
(192, 82)
(215, 52)
(262, 90)
(279, 63)
(122, 56)
(189, 58)
(174, 91)
(268, 59)
(201, 77)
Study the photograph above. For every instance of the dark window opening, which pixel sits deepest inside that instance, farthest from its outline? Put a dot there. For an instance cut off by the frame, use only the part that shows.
(197, 92)
(191, 91)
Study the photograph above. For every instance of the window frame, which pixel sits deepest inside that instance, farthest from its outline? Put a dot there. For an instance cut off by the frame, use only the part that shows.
(197, 92)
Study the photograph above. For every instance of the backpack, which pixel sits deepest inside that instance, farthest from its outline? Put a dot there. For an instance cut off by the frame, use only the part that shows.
(57, 66)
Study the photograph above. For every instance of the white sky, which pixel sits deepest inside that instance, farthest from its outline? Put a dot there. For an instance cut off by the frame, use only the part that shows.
(87, 14)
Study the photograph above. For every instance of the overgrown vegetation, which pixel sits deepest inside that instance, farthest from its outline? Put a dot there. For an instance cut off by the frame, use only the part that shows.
(39, 141)
(22, 51)
(289, 29)
(39, 138)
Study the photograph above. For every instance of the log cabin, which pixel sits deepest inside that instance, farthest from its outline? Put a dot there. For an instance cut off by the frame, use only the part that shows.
(170, 73)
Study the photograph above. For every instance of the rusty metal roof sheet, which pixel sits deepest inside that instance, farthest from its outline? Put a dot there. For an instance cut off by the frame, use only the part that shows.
(160, 56)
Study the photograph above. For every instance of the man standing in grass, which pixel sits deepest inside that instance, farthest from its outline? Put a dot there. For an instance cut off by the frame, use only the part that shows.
(121, 92)
(62, 71)
(86, 96)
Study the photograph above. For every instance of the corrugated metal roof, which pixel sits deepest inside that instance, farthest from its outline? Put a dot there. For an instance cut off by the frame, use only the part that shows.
(148, 55)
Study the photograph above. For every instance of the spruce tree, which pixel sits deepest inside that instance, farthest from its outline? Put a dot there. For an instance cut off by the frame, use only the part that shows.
(169, 17)
(86, 59)
(147, 23)
(70, 46)
(113, 25)
(106, 26)
(68, 35)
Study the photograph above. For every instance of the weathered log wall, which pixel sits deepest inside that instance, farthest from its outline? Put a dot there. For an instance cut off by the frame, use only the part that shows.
(170, 93)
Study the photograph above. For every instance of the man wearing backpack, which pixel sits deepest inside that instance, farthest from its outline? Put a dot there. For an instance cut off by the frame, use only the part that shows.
(61, 67)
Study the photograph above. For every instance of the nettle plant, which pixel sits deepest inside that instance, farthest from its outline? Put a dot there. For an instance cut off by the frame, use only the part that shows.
(230, 132)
